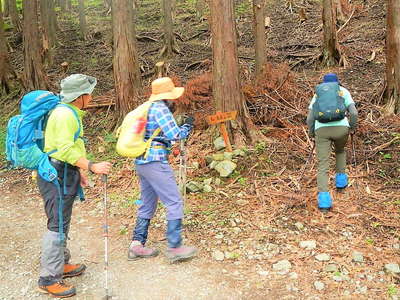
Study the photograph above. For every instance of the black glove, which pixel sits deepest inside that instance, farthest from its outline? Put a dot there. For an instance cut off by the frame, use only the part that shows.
(189, 120)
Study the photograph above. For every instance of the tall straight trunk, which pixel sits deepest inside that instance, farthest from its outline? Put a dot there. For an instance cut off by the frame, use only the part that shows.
(330, 52)
(6, 8)
(69, 5)
(392, 92)
(63, 5)
(45, 19)
(226, 85)
(169, 39)
(53, 23)
(82, 19)
(15, 20)
(259, 30)
(34, 76)
(5, 68)
(125, 59)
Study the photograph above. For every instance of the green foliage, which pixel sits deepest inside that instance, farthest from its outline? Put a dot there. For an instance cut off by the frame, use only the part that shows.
(261, 147)
(370, 241)
(392, 290)
(2, 143)
(243, 8)
(123, 230)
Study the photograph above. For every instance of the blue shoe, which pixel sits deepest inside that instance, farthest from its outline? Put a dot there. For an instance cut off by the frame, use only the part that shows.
(341, 180)
(324, 201)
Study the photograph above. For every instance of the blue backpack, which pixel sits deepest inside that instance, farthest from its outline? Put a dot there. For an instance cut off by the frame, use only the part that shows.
(329, 104)
(25, 134)
(25, 140)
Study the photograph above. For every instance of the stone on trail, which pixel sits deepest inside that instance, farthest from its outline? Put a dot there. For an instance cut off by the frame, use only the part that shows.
(238, 152)
(331, 268)
(323, 257)
(358, 257)
(299, 225)
(219, 143)
(218, 255)
(308, 245)
(194, 187)
(207, 188)
(319, 285)
(282, 265)
(392, 268)
(225, 168)
(218, 157)
(228, 155)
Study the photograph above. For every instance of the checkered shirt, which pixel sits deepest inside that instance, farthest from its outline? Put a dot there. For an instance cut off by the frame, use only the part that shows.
(161, 117)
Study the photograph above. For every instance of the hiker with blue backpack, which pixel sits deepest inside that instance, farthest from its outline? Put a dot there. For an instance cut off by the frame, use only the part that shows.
(327, 121)
(157, 179)
(48, 137)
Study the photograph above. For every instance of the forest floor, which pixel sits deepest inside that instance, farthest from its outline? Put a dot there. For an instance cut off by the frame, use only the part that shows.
(264, 213)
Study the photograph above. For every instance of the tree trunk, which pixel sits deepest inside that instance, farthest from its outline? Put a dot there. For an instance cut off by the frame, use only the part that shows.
(392, 92)
(82, 19)
(34, 76)
(169, 39)
(53, 23)
(5, 68)
(330, 54)
(14, 16)
(69, 5)
(6, 8)
(45, 21)
(227, 92)
(63, 5)
(260, 40)
(125, 59)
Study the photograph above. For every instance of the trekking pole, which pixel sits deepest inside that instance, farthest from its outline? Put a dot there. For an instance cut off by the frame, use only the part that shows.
(105, 232)
(182, 168)
(353, 148)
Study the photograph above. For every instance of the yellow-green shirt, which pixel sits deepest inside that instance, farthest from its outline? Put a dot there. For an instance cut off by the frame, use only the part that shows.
(61, 128)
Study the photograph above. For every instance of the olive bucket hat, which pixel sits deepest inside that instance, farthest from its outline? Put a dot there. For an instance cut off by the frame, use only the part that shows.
(76, 85)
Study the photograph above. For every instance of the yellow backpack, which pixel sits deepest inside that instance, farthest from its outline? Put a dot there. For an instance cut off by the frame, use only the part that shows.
(130, 134)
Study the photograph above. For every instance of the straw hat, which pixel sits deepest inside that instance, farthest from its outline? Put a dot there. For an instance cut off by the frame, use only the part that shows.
(164, 89)
(76, 85)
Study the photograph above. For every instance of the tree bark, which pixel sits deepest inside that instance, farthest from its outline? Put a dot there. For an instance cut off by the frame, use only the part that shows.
(45, 19)
(227, 92)
(53, 23)
(125, 59)
(6, 8)
(392, 92)
(82, 19)
(15, 20)
(170, 45)
(5, 68)
(259, 33)
(330, 54)
(34, 77)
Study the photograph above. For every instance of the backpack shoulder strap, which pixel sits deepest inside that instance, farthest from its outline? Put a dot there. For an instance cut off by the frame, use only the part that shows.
(78, 132)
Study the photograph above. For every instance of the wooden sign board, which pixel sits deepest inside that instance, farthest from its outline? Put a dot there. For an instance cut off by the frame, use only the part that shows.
(220, 117)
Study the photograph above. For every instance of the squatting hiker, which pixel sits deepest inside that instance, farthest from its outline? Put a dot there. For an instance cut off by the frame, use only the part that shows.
(157, 178)
(327, 122)
(69, 160)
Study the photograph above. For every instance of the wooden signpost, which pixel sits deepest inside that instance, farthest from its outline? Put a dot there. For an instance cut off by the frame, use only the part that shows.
(220, 118)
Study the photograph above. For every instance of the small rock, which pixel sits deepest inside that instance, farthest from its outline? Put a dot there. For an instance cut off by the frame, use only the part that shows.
(362, 289)
(358, 257)
(217, 181)
(319, 285)
(396, 246)
(242, 202)
(208, 181)
(218, 157)
(238, 152)
(237, 230)
(213, 164)
(337, 278)
(207, 188)
(282, 265)
(309, 245)
(392, 268)
(219, 143)
(225, 168)
(228, 155)
(346, 293)
(209, 159)
(196, 165)
(299, 225)
(293, 275)
(193, 187)
(331, 268)
(218, 255)
(262, 273)
(323, 257)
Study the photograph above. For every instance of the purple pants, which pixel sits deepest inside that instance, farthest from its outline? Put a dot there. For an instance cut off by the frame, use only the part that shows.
(157, 181)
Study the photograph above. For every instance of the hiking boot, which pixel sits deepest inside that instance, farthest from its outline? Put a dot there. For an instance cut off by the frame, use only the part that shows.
(324, 201)
(341, 180)
(181, 253)
(137, 250)
(58, 289)
(73, 270)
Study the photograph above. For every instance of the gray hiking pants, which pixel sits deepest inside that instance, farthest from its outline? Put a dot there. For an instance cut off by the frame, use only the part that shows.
(54, 252)
(324, 137)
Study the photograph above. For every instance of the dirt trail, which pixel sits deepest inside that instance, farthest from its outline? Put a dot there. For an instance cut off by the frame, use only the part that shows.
(21, 227)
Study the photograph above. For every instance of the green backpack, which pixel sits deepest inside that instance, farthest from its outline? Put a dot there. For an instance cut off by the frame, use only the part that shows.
(329, 104)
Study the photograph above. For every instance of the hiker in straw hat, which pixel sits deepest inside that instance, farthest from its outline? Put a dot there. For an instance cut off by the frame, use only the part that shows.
(157, 179)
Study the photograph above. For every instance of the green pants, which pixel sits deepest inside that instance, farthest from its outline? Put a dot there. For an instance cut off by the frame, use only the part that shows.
(323, 138)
